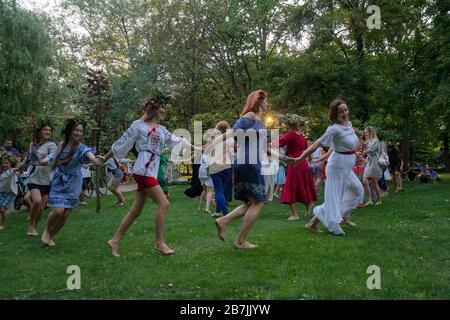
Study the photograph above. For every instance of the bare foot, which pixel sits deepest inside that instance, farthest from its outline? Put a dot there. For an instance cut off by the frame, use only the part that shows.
(46, 241)
(2, 227)
(220, 229)
(244, 245)
(293, 218)
(349, 223)
(378, 203)
(164, 249)
(114, 246)
(32, 232)
(312, 229)
(369, 204)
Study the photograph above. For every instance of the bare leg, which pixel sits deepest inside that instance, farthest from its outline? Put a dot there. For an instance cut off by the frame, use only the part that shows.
(249, 219)
(36, 211)
(398, 181)
(52, 221)
(59, 225)
(157, 195)
(308, 209)
(209, 197)
(2, 218)
(312, 225)
(294, 216)
(221, 223)
(27, 201)
(136, 210)
(367, 191)
(202, 199)
(115, 190)
(374, 183)
(275, 193)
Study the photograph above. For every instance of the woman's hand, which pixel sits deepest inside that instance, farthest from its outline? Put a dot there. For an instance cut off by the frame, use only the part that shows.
(98, 162)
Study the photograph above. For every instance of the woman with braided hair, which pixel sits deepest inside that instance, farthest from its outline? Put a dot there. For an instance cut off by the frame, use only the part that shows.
(67, 180)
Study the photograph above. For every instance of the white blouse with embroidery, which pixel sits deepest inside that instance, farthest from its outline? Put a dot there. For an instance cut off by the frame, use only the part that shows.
(149, 142)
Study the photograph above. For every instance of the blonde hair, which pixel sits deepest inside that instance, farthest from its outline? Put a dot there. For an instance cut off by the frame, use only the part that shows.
(222, 126)
(372, 133)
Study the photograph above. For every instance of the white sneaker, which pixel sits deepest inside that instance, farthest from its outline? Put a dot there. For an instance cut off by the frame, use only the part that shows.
(83, 203)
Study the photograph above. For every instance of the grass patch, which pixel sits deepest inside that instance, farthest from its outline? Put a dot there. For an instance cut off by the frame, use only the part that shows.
(407, 237)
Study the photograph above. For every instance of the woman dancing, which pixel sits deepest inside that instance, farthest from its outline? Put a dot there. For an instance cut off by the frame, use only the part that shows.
(342, 187)
(249, 183)
(40, 151)
(149, 139)
(67, 180)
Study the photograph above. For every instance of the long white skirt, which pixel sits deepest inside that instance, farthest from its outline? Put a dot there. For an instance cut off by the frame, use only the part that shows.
(343, 192)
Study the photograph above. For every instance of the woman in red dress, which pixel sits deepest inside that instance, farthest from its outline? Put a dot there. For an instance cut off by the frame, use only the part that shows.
(299, 186)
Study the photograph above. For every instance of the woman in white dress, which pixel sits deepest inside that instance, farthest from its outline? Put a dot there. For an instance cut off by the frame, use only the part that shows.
(149, 139)
(342, 187)
(372, 170)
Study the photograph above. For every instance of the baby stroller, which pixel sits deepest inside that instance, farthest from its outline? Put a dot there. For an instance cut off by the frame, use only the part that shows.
(22, 190)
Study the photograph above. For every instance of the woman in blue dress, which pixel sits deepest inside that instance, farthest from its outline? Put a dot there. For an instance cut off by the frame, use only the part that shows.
(251, 135)
(67, 180)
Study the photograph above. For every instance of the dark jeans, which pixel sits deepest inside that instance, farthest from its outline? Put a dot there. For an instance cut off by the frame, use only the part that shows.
(382, 182)
(223, 189)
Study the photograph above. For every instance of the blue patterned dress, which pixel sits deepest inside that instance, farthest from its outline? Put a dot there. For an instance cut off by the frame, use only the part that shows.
(67, 180)
(249, 183)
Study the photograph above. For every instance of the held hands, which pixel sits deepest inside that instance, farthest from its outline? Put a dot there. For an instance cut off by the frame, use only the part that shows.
(99, 161)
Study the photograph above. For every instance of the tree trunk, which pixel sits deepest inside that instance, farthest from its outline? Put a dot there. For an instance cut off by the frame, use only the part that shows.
(405, 149)
(446, 151)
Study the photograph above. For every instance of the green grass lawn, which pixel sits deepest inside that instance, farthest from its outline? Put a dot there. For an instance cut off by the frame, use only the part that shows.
(408, 237)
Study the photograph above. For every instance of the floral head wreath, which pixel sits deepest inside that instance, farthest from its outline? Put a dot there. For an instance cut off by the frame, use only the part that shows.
(292, 119)
(10, 158)
(162, 97)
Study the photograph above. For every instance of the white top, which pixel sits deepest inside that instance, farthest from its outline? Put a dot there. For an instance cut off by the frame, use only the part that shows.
(86, 173)
(341, 138)
(149, 141)
(8, 181)
(203, 170)
(316, 154)
(41, 174)
(269, 166)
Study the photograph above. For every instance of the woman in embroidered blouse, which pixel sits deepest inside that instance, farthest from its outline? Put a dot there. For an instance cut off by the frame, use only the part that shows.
(67, 180)
(343, 189)
(40, 151)
(149, 139)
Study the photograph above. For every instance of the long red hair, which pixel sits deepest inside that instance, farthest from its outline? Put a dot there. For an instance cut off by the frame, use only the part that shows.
(254, 101)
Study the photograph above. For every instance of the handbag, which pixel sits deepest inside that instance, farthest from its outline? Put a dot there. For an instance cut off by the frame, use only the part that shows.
(383, 158)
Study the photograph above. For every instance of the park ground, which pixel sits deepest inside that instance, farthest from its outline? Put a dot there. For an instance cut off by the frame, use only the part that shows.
(407, 238)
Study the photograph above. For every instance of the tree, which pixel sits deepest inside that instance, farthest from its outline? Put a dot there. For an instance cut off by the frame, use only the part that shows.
(29, 71)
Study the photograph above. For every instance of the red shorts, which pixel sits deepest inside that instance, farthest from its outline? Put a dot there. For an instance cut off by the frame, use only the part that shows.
(144, 182)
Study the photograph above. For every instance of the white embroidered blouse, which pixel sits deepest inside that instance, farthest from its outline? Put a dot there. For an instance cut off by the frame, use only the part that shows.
(149, 142)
